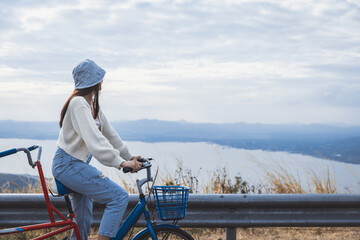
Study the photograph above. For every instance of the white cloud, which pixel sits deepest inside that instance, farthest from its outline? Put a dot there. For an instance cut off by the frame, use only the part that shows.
(37, 19)
(221, 61)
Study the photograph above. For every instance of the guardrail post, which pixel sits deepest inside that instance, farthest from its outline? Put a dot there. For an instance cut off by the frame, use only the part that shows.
(230, 233)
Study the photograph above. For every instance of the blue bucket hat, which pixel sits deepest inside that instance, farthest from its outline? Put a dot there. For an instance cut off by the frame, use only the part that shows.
(87, 74)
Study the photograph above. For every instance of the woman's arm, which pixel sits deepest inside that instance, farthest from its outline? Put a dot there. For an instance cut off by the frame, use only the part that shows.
(114, 138)
(85, 127)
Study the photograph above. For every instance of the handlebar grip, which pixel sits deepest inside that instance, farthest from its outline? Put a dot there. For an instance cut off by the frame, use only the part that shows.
(8, 152)
(142, 160)
(127, 169)
(32, 148)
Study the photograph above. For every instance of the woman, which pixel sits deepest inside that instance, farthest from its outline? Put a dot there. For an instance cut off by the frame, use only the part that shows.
(85, 132)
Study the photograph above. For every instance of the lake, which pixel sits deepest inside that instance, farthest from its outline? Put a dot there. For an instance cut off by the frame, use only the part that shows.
(202, 159)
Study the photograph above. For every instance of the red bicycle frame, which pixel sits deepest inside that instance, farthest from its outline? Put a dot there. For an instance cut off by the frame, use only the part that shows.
(65, 223)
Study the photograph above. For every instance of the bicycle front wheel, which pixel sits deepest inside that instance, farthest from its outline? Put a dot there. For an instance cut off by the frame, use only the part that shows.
(163, 233)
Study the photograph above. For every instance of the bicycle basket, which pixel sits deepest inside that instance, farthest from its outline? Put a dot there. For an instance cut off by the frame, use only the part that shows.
(171, 201)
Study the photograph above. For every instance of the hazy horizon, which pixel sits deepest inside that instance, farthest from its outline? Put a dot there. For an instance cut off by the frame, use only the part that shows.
(333, 124)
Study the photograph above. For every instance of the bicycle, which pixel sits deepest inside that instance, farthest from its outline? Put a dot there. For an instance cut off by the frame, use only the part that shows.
(170, 201)
(67, 223)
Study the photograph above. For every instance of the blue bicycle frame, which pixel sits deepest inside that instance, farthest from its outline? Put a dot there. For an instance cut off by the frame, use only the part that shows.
(138, 210)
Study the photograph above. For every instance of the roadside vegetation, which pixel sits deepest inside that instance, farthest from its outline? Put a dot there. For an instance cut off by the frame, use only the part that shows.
(278, 181)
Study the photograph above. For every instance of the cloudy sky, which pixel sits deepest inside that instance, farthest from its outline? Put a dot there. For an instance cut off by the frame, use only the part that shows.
(215, 61)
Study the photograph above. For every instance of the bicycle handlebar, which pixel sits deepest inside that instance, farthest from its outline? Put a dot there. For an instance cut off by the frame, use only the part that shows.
(8, 152)
(26, 150)
(145, 164)
(32, 147)
(15, 150)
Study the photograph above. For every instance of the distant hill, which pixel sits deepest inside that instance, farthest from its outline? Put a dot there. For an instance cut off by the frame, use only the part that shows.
(29, 130)
(16, 182)
(340, 143)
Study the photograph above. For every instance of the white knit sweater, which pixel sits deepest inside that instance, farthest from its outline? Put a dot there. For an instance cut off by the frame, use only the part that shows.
(80, 136)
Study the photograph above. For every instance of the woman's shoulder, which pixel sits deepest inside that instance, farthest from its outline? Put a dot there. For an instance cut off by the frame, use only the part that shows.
(78, 101)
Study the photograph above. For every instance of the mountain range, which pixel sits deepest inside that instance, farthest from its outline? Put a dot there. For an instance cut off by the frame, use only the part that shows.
(340, 143)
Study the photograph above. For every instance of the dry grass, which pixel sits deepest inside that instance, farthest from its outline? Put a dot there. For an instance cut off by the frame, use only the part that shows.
(33, 234)
(277, 181)
(278, 233)
(298, 233)
(182, 176)
(333, 233)
(30, 188)
(281, 181)
(323, 183)
(220, 182)
(130, 188)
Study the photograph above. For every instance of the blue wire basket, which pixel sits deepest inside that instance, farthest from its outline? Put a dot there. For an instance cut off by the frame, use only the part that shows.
(171, 201)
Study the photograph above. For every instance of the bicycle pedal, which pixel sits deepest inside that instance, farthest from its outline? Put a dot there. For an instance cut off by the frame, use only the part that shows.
(65, 238)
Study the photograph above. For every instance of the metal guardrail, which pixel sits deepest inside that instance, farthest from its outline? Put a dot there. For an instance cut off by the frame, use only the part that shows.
(229, 211)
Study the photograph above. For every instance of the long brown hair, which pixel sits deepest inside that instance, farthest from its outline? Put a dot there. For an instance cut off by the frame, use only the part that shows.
(83, 92)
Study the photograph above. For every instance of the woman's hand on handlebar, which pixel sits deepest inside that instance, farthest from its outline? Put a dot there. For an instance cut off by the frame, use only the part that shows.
(135, 158)
(133, 164)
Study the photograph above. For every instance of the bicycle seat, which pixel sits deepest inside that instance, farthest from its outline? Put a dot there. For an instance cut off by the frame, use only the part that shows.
(58, 189)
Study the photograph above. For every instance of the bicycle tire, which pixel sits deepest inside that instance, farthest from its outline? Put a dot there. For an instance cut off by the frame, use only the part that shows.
(168, 233)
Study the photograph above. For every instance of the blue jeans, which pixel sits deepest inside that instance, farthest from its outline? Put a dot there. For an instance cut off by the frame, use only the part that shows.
(89, 184)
